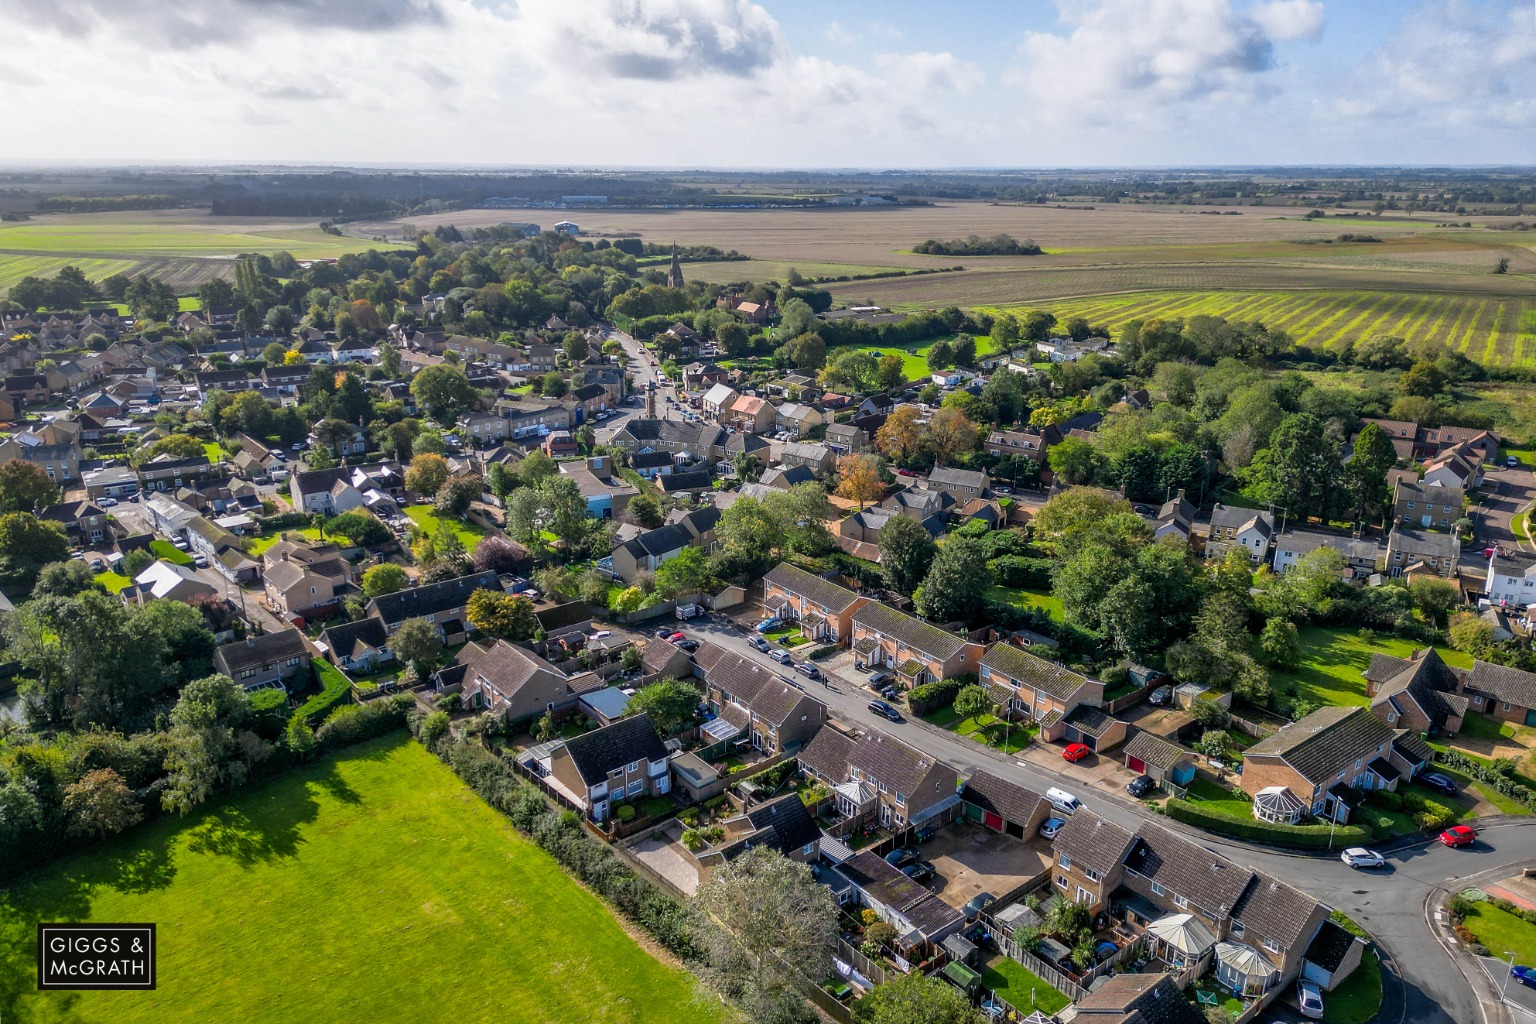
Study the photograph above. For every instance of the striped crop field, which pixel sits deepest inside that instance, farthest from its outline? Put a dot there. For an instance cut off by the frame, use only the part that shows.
(1492, 329)
(14, 268)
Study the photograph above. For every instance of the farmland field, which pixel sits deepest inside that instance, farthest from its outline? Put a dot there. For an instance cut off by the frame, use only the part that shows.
(334, 893)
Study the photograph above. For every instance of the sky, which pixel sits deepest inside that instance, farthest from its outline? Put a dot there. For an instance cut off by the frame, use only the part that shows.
(782, 83)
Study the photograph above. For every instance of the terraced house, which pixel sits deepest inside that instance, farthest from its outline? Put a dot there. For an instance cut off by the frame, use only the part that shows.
(876, 778)
(1038, 689)
(824, 610)
(751, 701)
(917, 651)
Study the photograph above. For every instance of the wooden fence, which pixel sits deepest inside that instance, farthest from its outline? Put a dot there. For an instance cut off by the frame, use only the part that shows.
(861, 963)
(1126, 700)
(1049, 974)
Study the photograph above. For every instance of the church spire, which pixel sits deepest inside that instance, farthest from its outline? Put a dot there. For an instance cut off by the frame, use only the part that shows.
(675, 272)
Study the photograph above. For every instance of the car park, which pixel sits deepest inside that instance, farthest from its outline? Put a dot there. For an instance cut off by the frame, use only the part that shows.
(782, 657)
(884, 710)
(1140, 786)
(1458, 835)
(901, 857)
(1309, 999)
(759, 643)
(1050, 827)
(1360, 858)
(1438, 782)
(1075, 752)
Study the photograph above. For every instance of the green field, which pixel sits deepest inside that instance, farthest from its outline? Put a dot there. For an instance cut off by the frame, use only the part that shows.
(1332, 660)
(727, 271)
(370, 887)
(1488, 328)
(431, 523)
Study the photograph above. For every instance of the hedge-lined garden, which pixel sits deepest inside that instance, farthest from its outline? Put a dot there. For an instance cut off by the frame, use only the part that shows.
(1304, 837)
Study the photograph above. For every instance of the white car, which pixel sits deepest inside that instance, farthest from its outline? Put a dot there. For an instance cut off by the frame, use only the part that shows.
(105, 502)
(1360, 857)
(1309, 1000)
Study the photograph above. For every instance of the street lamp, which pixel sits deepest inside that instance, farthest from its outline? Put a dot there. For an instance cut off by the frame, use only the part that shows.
(1504, 988)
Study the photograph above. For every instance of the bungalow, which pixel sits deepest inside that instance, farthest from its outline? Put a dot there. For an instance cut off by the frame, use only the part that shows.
(168, 581)
(619, 762)
(512, 682)
(1035, 688)
(271, 659)
(441, 604)
(1413, 552)
(876, 778)
(1508, 694)
(1246, 528)
(360, 646)
(960, 484)
(1319, 764)
(823, 609)
(1432, 506)
(754, 703)
(918, 651)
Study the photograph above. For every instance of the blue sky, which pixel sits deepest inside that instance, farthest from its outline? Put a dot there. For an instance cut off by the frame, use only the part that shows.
(780, 83)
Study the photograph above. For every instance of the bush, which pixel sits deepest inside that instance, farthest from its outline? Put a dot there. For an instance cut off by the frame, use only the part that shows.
(933, 696)
(1019, 571)
(1306, 837)
(1385, 798)
(358, 722)
(1381, 824)
(625, 812)
(822, 652)
(1434, 816)
(337, 691)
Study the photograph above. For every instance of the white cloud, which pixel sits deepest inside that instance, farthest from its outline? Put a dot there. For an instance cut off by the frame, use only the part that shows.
(204, 22)
(1290, 19)
(929, 72)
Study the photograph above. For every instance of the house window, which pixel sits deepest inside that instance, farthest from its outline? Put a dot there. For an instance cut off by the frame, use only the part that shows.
(248, 673)
(1093, 876)
(1237, 929)
(1272, 945)
(1180, 902)
(1084, 896)
(634, 766)
(1506, 705)
(1157, 890)
(1061, 881)
(1064, 861)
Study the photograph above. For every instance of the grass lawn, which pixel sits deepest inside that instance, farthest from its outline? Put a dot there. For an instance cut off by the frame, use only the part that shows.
(1219, 799)
(1521, 527)
(1506, 805)
(216, 452)
(430, 522)
(1021, 598)
(331, 894)
(994, 732)
(1332, 660)
(1502, 932)
(1023, 989)
(266, 540)
(113, 582)
(170, 552)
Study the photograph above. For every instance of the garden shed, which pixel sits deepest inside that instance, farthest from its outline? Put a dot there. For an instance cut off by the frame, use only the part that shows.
(960, 949)
(962, 977)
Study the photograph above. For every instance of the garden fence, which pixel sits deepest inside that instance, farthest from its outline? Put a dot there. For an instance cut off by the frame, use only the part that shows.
(1050, 975)
(1126, 700)
(1120, 955)
(861, 963)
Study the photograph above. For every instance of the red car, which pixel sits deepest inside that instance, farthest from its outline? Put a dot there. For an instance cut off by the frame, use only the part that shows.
(1075, 752)
(675, 637)
(1458, 835)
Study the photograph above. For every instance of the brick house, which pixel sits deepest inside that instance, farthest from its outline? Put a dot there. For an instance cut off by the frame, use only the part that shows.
(877, 778)
(1090, 857)
(917, 651)
(1040, 690)
(1427, 505)
(512, 682)
(1413, 552)
(1420, 693)
(271, 659)
(620, 762)
(1498, 691)
(823, 609)
(442, 604)
(1323, 761)
(84, 522)
(908, 906)
(776, 716)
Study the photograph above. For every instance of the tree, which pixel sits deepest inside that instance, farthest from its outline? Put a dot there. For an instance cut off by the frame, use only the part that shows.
(180, 631)
(1280, 644)
(362, 529)
(1075, 512)
(249, 413)
(672, 705)
(642, 510)
(274, 353)
(1471, 633)
(1302, 470)
(940, 356)
(553, 384)
(536, 468)
(502, 616)
(456, 493)
(906, 554)
(956, 584)
(494, 553)
(1434, 598)
(1214, 743)
(417, 644)
(900, 438)
(177, 446)
(1426, 412)
(64, 579)
(1036, 325)
(1072, 460)
(443, 391)
(733, 340)
(384, 578)
(1423, 379)
(951, 434)
(972, 701)
(1005, 332)
(859, 479)
(687, 573)
(27, 544)
(25, 487)
(773, 920)
(1365, 474)
(915, 999)
(136, 561)
(805, 352)
(209, 746)
(427, 473)
(101, 804)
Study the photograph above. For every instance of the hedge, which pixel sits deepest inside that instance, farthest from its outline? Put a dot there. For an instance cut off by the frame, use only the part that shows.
(283, 521)
(823, 652)
(1306, 837)
(364, 721)
(1019, 571)
(337, 691)
(1490, 775)
(931, 697)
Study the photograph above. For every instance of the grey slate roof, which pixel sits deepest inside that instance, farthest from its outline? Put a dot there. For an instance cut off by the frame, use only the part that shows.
(784, 824)
(1047, 676)
(598, 752)
(913, 632)
(1510, 685)
(257, 651)
(1429, 682)
(911, 899)
(432, 598)
(1180, 866)
(344, 638)
(1009, 799)
(1326, 742)
(808, 585)
(1094, 842)
(876, 755)
(659, 541)
(1275, 909)
(1329, 946)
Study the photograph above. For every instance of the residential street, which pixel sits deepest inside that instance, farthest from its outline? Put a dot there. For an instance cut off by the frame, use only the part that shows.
(1508, 493)
(1390, 904)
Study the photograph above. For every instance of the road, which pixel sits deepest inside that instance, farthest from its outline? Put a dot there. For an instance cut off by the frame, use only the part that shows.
(1509, 491)
(1389, 903)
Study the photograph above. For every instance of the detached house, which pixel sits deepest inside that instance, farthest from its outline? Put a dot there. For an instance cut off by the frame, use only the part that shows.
(512, 682)
(917, 651)
(619, 762)
(960, 484)
(271, 659)
(877, 778)
(1419, 693)
(1427, 505)
(1321, 764)
(823, 609)
(1246, 528)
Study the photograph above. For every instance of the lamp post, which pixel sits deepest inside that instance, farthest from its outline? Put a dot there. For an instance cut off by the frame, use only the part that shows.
(1504, 988)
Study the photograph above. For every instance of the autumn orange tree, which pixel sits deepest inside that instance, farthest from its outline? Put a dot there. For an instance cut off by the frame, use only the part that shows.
(860, 479)
(900, 437)
(951, 433)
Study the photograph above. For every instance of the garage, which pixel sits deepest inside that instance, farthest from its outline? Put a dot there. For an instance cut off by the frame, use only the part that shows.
(1154, 756)
(992, 820)
(1003, 806)
(1136, 764)
(1094, 728)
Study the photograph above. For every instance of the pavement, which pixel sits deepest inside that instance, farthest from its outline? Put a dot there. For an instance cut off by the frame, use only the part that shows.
(1425, 982)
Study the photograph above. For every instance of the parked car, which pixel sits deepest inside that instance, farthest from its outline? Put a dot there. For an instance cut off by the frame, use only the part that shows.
(766, 624)
(1075, 752)
(1511, 461)
(1438, 782)
(1309, 999)
(809, 671)
(664, 632)
(1524, 975)
(1458, 835)
(1004, 491)
(919, 871)
(1360, 858)
(905, 472)
(106, 502)
(97, 565)
(673, 638)
(760, 644)
(181, 544)
(1160, 696)
(688, 645)
(901, 857)
(1050, 826)
(201, 561)
(882, 679)
(1140, 786)
(981, 901)
(782, 657)
(884, 710)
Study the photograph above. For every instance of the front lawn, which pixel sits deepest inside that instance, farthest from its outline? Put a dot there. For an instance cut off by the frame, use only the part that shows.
(1502, 932)
(1217, 798)
(261, 543)
(113, 582)
(1022, 598)
(430, 523)
(1358, 997)
(216, 452)
(1022, 988)
(169, 552)
(1333, 660)
(331, 894)
(995, 732)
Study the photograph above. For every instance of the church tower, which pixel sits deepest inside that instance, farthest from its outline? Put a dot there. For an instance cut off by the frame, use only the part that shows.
(675, 272)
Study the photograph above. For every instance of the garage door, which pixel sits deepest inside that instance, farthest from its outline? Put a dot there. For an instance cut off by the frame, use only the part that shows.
(1136, 764)
(992, 821)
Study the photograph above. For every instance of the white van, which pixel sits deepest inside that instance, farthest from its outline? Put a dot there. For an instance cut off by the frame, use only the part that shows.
(687, 611)
(1063, 801)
